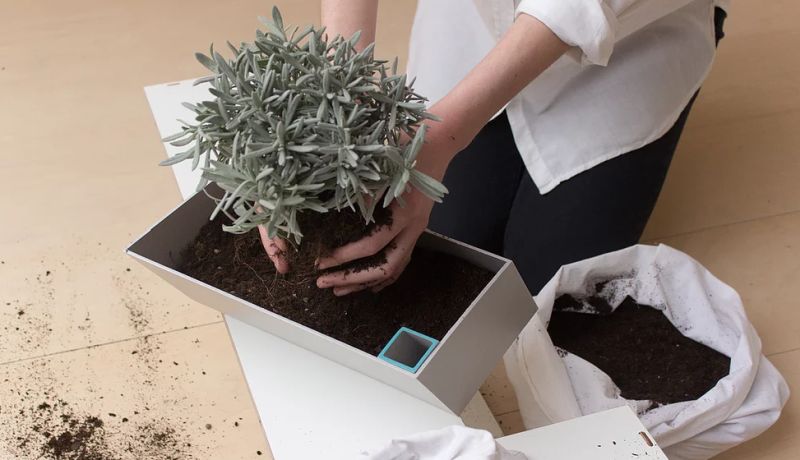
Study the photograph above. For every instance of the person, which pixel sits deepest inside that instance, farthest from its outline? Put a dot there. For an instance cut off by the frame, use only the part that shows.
(559, 119)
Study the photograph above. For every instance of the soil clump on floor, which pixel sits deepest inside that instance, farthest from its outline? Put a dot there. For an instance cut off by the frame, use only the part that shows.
(55, 431)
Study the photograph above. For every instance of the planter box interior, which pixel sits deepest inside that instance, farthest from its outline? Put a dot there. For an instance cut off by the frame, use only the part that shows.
(446, 374)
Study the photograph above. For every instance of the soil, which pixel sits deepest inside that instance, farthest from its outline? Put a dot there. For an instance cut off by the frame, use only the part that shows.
(50, 411)
(638, 347)
(81, 439)
(429, 297)
(55, 431)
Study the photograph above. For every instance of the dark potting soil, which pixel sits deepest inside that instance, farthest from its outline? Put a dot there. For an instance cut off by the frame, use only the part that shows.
(53, 431)
(429, 297)
(80, 439)
(638, 347)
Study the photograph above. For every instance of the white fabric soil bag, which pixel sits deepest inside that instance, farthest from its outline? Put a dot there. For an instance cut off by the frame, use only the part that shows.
(743, 404)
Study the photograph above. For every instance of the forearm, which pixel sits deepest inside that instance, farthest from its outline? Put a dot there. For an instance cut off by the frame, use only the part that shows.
(527, 49)
(346, 17)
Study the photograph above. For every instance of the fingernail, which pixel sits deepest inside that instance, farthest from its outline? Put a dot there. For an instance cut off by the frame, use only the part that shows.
(321, 283)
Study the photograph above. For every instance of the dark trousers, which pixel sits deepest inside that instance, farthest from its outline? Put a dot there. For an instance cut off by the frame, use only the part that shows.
(494, 204)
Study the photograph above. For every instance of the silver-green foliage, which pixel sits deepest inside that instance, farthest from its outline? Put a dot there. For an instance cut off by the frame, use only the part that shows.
(302, 123)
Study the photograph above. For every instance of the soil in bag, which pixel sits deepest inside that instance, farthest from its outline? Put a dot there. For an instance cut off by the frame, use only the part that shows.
(432, 293)
(638, 347)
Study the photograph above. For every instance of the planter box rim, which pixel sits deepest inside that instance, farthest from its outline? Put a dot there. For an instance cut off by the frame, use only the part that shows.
(451, 372)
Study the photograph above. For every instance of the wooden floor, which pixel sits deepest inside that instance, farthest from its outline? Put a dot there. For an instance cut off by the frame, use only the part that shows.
(84, 327)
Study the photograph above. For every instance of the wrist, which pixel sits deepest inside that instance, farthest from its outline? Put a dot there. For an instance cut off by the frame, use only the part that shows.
(443, 140)
(457, 127)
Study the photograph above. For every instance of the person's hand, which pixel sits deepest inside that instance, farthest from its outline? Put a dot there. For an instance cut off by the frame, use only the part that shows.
(396, 241)
(276, 250)
(442, 141)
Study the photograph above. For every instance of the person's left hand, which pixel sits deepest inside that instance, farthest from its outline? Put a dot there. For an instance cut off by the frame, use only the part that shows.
(396, 240)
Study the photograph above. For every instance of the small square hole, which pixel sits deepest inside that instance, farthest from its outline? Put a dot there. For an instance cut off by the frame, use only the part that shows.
(408, 349)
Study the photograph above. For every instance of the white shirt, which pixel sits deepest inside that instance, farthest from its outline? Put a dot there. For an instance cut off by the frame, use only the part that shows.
(634, 66)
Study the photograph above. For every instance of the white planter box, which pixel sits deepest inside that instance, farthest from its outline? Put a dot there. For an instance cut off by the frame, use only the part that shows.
(450, 374)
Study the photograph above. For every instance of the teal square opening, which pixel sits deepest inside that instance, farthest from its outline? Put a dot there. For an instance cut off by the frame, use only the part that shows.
(408, 349)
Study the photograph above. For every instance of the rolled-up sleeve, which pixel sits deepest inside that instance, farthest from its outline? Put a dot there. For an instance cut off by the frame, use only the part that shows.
(594, 26)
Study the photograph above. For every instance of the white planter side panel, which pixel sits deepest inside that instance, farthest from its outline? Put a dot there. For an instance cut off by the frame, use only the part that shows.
(165, 103)
(610, 435)
(312, 407)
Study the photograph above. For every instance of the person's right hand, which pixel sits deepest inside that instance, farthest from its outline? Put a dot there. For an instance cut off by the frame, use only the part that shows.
(276, 250)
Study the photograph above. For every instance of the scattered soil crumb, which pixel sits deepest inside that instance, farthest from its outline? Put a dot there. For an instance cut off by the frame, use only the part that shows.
(54, 431)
